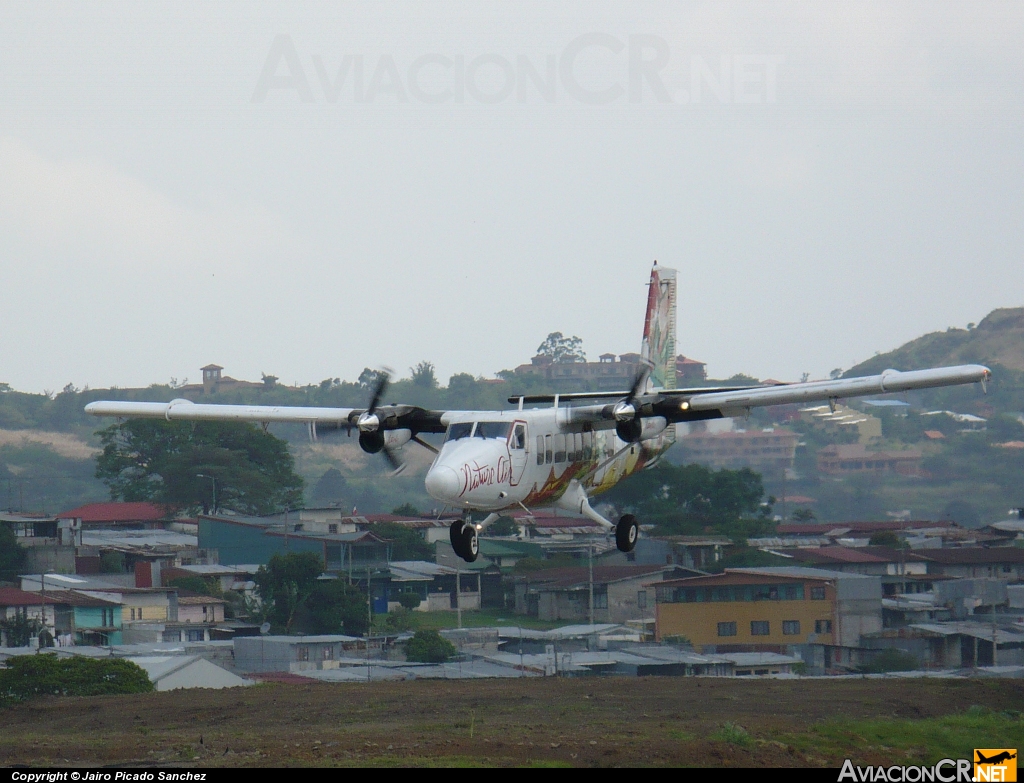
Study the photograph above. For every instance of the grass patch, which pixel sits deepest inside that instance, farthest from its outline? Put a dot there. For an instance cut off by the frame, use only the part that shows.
(923, 741)
(734, 734)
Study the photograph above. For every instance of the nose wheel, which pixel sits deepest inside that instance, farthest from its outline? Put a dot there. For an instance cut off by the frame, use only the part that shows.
(464, 540)
(626, 533)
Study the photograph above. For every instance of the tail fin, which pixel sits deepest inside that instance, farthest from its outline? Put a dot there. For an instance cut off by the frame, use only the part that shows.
(659, 343)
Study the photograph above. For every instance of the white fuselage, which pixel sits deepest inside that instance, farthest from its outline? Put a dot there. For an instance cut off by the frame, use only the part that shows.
(492, 460)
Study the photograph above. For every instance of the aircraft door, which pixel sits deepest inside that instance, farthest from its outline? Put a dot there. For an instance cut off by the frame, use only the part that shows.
(518, 449)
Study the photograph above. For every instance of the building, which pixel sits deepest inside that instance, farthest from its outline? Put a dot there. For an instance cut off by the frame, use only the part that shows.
(842, 419)
(49, 542)
(439, 587)
(293, 653)
(772, 610)
(841, 460)
(772, 448)
(254, 540)
(172, 672)
(215, 382)
(621, 593)
(136, 516)
(84, 620)
(200, 609)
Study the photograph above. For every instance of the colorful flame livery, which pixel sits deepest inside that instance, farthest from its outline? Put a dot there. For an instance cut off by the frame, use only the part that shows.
(554, 449)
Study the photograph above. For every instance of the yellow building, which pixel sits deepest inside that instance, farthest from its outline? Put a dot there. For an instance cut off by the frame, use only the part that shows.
(772, 609)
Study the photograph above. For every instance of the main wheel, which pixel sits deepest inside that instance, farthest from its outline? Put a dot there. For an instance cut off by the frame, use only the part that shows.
(626, 533)
(464, 540)
(470, 544)
(455, 534)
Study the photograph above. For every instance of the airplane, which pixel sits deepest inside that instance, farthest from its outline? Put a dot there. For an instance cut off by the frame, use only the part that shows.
(552, 449)
(996, 759)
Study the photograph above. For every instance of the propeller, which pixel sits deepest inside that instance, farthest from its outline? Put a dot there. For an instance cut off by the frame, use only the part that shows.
(373, 428)
(628, 424)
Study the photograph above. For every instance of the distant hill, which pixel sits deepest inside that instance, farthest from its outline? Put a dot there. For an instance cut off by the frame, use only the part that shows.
(997, 340)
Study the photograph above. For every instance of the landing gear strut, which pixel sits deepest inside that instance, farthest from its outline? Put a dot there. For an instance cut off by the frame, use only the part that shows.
(626, 533)
(464, 540)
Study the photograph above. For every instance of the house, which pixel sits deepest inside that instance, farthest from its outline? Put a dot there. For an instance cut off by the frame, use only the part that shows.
(241, 540)
(439, 587)
(200, 609)
(293, 653)
(780, 610)
(49, 542)
(768, 448)
(1002, 562)
(609, 373)
(841, 460)
(229, 577)
(137, 516)
(620, 593)
(31, 606)
(173, 672)
(84, 620)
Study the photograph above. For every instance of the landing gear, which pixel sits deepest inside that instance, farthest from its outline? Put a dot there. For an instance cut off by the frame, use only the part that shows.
(626, 533)
(464, 540)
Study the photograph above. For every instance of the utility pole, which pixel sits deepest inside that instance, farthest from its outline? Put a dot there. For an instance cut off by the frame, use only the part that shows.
(590, 558)
(214, 480)
(458, 592)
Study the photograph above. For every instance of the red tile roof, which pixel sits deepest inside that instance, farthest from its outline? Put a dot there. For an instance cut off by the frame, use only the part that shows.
(820, 529)
(117, 512)
(12, 596)
(836, 554)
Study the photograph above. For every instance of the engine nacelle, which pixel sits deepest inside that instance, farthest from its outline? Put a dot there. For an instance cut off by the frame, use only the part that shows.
(653, 427)
(376, 441)
(395, 439)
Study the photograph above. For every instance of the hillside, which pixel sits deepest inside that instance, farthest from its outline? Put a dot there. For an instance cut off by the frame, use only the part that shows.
(997, 340)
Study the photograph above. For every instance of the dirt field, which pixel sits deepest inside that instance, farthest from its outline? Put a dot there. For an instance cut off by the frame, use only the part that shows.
(571, 722)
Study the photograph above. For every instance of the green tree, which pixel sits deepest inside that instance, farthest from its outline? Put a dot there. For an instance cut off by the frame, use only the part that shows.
(409, 599)
(12, 554)
(406, 543)
(20, 629)
(429, 647)
(162, 461)
(28, 676)
(335, 606)
(885, 538)
(423, 375)
(503, 526)
(406, 510)
(692, 499)
(285, 583)
(562, 349)
(803, 515)
(196, 584)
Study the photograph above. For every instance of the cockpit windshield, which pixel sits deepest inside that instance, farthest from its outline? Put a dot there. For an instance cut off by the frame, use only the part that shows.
(493, 429)
(458, 431)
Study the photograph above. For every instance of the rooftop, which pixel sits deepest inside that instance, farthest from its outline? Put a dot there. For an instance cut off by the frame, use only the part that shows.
(117, 512)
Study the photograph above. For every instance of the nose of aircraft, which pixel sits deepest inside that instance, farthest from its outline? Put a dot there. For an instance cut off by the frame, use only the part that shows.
(443, 483)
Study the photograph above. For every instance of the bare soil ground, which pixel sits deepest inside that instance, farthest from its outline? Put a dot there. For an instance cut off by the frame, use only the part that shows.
(559, 722)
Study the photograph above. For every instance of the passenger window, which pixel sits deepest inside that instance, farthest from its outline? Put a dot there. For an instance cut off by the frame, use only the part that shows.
(547, 449)
(519, 437)
(540, 449)
(559, 448)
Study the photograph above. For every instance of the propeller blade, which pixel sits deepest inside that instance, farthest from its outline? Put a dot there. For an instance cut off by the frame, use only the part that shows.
(378, 391)
(397, 466)
(639, 383)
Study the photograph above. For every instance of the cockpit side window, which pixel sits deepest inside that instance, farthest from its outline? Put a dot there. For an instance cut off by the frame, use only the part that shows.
(518, 439)
(459, 430)
(493, 429)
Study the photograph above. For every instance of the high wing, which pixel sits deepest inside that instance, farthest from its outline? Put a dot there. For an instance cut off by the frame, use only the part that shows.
(388, 417)
(682, 405)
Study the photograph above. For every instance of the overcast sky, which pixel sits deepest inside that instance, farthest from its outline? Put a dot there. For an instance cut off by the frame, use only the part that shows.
(309, 189)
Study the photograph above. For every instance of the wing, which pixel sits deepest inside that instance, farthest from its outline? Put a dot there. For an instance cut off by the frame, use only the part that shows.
(682, 405)
(732, 403)
(387, 417)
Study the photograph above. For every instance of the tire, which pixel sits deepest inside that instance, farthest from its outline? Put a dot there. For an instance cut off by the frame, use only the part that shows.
(456, 537)
(626, 533)
(470, 544)
(464, 540)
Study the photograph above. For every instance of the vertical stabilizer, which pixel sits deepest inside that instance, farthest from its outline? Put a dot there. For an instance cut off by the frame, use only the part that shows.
(659, 343)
